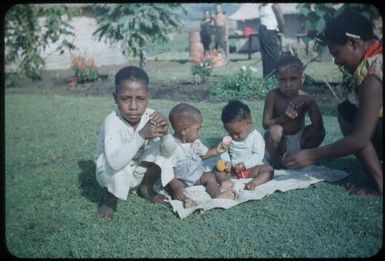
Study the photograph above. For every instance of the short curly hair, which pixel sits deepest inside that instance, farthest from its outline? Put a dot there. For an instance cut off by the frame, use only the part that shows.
(235, 111)
(130, 73)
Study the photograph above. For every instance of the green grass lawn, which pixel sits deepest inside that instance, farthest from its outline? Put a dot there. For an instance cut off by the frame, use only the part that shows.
(51, 197)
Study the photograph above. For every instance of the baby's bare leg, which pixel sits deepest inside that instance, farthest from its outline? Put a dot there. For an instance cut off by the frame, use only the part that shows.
(222, 176)
(176, 188)
(150, 177)
(209, 181)
(106, 210)
(261, 174)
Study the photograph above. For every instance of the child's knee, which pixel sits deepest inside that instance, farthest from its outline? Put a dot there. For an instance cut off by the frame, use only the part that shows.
(274, 133)
(310, 133)
(151, 167)
(207, 177)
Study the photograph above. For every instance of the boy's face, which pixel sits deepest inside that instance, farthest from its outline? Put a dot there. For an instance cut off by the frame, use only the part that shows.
(132, 99)
(290, 79)
(192, 132)
(238, 130)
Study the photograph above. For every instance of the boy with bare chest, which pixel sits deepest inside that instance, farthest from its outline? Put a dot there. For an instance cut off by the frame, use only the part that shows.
(284, 114)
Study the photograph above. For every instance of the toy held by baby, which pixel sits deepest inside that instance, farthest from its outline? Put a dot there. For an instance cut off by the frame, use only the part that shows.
(225, 144)
(223, 166)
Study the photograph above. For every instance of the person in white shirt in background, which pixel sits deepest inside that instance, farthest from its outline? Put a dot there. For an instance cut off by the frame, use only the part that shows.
(134, 146)
(272, 22)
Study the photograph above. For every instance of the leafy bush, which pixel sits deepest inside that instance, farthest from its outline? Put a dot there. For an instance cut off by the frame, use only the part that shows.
(242, 85)
(203, 70)
(11, 79)
(29, 29)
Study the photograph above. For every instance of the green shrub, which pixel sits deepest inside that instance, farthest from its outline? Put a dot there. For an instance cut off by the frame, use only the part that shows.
(11, 79)
(203, 70)
(242, 85)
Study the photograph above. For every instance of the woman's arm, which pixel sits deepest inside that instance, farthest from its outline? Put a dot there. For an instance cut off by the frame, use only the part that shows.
(370, 98)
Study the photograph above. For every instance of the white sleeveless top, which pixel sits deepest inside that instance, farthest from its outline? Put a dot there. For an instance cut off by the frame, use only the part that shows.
(267, 16)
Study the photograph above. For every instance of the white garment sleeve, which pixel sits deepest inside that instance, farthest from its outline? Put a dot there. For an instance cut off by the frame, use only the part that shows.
(167, 145)
(258, 151)
(225, 156)
(200, 148)
(118, 153)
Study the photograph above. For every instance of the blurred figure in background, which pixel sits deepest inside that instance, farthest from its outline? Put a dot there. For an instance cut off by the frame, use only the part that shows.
(272, 22)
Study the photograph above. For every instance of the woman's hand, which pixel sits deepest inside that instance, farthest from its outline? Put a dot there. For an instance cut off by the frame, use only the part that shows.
(299, 159)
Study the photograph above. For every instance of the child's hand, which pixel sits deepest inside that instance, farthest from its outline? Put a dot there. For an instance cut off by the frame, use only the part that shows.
(297, 105)
(291, 111)
(301, 101)
(224, 145)
(157, 126)
(160, 122)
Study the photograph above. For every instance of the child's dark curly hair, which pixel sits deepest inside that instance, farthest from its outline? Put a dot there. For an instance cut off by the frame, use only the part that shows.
(348, 25)
(235, 111)
(130, 73)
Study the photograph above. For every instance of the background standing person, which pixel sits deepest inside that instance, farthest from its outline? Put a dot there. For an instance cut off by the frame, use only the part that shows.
(272, 22)
(207, 27)
(220, 22)
(357, 50)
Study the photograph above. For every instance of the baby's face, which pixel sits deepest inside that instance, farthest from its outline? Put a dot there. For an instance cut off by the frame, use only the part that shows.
(132, 99)
(290, 80)
(238, 130)
(192, 132)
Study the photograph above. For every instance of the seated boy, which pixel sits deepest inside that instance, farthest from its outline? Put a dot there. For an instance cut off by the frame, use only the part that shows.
(134, 145)
(284, 114)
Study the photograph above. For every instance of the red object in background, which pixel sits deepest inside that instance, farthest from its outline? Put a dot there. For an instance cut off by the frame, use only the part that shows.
(247, 31)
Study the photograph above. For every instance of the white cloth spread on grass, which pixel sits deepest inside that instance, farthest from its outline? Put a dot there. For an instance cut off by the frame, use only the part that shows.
(283, 180)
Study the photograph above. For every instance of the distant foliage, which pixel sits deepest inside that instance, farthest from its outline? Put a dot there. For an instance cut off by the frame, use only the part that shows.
(242, 85)
(316, 16)
(28, 30)
(135, 25)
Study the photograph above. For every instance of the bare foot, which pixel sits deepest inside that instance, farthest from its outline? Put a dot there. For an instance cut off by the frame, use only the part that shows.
(105, 211)
(226, 185)
(151, 195)
(189, 203)
(363, 190)
(229, 194)
(158, 198)
(226, 190)
(251, 185)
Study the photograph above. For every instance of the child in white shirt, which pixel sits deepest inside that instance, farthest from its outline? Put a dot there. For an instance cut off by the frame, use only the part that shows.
(134, 146)
(186, 121)
(246, 151)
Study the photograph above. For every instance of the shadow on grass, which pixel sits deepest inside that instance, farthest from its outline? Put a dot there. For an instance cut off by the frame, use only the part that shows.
(88, 186)
(350, 165)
